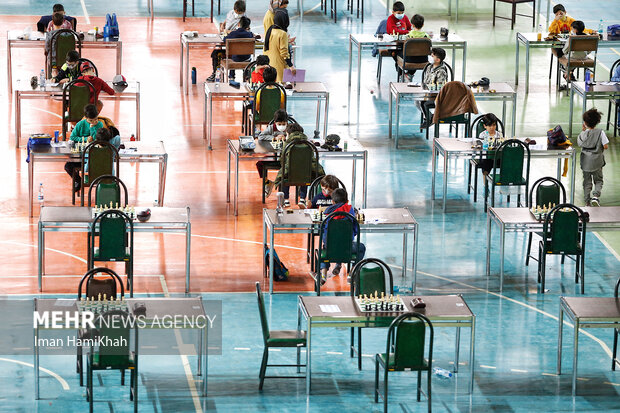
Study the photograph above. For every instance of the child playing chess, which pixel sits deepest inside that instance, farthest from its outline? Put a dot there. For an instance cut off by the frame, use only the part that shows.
(262, 62)
(88, 73)
(490, 131)
(329, 183)
(341, 203)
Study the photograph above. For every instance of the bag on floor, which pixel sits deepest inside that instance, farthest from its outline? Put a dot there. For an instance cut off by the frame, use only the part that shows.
(280, 272)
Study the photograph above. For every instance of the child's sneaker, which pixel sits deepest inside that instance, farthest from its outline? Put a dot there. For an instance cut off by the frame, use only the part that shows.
(211, 78)
(323, 275)
(302, 203)
(268, 188)
(336, 270)
(595, 202)
(287, 203)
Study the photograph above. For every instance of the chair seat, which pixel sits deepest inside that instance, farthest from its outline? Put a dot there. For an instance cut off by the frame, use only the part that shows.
(386, 52)
(495, 177)
(286, 338)
(127, 256)
(383, 359)
(577, 251)
(231, 64)
(324, 256)
(410, 66)
(118, 362)
(576, 62)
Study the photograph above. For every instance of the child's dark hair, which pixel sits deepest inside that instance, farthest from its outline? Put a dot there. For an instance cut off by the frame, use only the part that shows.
(262, 60)
(417, 21)
(579, 26)
(592, 118)
(330, 181)
(58, 7)
(90, 111)
(398, 6)
(72, 56)
(557, 8)
(58, 18)
(103, 134)
(489, 119)
(270, 74)
(280, 115)
(294, 127)
(339, 196)
(239, 6)
(244, 23)
(439, 52)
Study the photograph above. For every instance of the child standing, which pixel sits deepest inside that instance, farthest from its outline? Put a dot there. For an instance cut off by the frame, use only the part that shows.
(592, 142)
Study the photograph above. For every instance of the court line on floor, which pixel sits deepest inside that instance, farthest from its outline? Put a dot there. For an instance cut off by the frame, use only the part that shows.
(86, 16)
(63, 383)
(47, 111)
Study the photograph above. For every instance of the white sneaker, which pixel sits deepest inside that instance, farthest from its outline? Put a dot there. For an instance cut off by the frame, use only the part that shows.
(595, 202)
(287, 204)
(302, 203)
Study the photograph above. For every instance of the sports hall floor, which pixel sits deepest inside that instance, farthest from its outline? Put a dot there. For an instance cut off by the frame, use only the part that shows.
(516, 332)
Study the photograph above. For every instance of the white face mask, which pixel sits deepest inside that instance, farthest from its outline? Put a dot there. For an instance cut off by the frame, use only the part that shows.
(236, 15)
(281, 128)
(399, 16)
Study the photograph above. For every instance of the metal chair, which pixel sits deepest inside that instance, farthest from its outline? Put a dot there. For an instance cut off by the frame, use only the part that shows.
(237, 47)
(267, 166)
(365, 280)
(101, 158)
(82, 60)
(339, 233)
(564, 232)
(108, 191)
(476, 128)
(408, 335)
(268, 98)
(614, 358)
(299, 162)
(459, 119)
(62, 41)
(514, 14)
(512, 155)
(75, 95)
(613, 101)
(587, 44)
(277, 339)
(413, 48)
(554, 194)
(383, 51)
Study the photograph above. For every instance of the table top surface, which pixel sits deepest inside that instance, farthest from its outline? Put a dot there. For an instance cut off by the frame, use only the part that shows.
(203, 38)
(23, 85)
(532, 37)
(598, 87)
(374, 217)
(437, 307)
(403, 88)
(142, 149)
(17, 35)
(298, 88)
(598, 215)
(593, 307)
(154, 306)
(459, 145)
(265, 149)
(78, 214)
(387, 39)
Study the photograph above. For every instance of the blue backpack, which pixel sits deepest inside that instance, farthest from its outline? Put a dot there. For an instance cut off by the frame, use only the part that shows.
(112, 24)
(280, 272)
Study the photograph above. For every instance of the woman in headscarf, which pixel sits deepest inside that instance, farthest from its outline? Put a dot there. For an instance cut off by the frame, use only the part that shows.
(276, 44)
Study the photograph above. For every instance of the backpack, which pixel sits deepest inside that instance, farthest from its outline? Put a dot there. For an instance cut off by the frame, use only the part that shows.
(112, 24)
(280, 272)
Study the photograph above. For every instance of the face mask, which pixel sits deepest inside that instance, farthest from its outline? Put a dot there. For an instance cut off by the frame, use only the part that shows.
(281, 128)
(325, 192)
(399, 16)
(237, 15)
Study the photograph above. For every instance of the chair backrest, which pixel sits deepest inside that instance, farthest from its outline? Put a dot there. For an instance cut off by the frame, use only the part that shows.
(430, 65)
(477, 127)
(242, 47)
(512, 154)
(75, 96)
(247, 72)
(617, 288)
(299, 162)
(612, 71)
(583, 43)
(548, 190)
(564, 230)
(339, 228)
(408, 333)
(262, 312)
(417, 47)
(369, 275)
(82, 60)
(102, 158)
(315, 186)
(98, 285)
(62, 42)
(268, 98)
(112, 227)
(108, 191)
(115, 326)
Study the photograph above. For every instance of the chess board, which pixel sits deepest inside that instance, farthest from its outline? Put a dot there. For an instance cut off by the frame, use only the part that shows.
(393, 304)
(130, 211)
(102, 306)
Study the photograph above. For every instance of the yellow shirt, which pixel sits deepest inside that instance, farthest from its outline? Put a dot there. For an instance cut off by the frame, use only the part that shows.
(268, 20)
(559, 26)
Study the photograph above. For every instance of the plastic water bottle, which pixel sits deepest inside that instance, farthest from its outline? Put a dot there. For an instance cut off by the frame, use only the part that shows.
(600, 27)
(40, 197)
(193, 75)
(587, 76)
(42, 78)
(218, 78)
(438, 371)
(485, 143)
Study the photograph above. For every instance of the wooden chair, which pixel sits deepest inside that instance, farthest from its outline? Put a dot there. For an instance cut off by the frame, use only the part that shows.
(237, 47)
(514, 15)
(411, 48)
(588, 44)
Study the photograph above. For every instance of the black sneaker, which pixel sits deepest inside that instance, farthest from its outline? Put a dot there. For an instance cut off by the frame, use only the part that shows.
(211, 78)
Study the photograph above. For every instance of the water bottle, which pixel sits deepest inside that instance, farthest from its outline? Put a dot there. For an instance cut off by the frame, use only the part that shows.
(218, 78)
(106, 32)
(539, 33)
(56, 134)
(42, 78)
(587, 76)
(439, 372)
(485, 142)
(600, 27)
(193, 75)
(40, 197)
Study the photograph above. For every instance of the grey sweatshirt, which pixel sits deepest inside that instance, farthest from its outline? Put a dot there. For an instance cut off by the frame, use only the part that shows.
(590, 141)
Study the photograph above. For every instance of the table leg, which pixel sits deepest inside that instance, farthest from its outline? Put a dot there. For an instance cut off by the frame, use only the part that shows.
(365, 178)
(558, 370)
(210, 120)
(445, 179)
(236, 195)
(502, 242)
(30, 184)
(570, 112)
(318, 114)
(138, 116)
(404, 271)
(349, 84)
(573, 171)
(199, 358)
(390, 115)
(517, 60)
(185, 83)
(308, 356)
(464, 60)
(163, 168)
(359, 79)
(353, 180)
(326, 115)
(456, 350)
(264, 244)
(228, 155)
(36, 363)
(119, 58)
(488, 244)
(188, 251)
(527, 67)
(181, 63)
(514, 114)
(18, 117)
(433, 169)
(575, 355)
(504, 110)
(472, 352)
(41, 254)
(9, 73)
(151, 8)
(453, 57)
(205, 356)
(397, 110)
(272, 231)
(414, 266)
(558, 172)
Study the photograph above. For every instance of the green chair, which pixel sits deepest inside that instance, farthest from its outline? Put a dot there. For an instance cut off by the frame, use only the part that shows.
(99, 158)
(476, 129)
(107, 190)
(614, 358)
(82, 60)
(115, 326)
(62, 42)
(111, 240)
(267, 166)
(564, 232)
(277, 339)
(368, 277)
(548, 190)
(299, 163)
(268, 98)
(337, 232)
(512, 154)
(95, 287)
(75, 95)
(408, 335)
(455, 90)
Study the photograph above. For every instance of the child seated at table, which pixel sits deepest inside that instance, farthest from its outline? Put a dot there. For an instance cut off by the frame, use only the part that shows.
(436, 74)
(562, 21)
(88, 74)
(276, 128)
(262, 62)
(242, 32)
(490, 131)
(44, 21)
(84, 131)
(577, 29)
(341, 203)
(417, 32)
(233, 17)
(58, 22)
(398, 23)
(70, 70)
(329, 183)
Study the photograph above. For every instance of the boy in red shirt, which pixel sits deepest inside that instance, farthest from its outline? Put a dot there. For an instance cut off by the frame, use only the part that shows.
(262, 62)
(88, 73)
(398, 23)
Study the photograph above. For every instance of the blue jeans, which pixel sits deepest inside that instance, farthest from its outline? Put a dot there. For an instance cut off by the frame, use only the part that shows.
(359, 254)
(303, 191)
